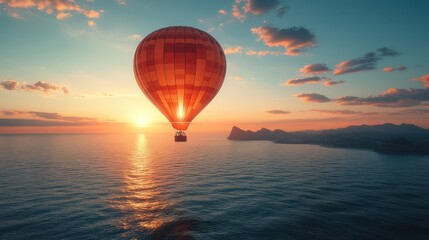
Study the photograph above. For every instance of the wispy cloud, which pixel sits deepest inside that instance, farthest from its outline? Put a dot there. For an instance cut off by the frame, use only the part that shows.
(236, 12)
(330, 83)
(391, 69)
(293, 39)
(63, 9)
(262, 53)
(15, 118)
(338, 112)
(233, 50)
(411, 112)
(44, 115)
(365, 63)
(313, 69)
(91, 23)
(313, 97)
(222, 12)
(10, 85)
(135, 37)
(122, 2)
(40, 86)
(300, 81)
(241, 8)
(276, 111)
(258, 7)
(393, 97)
(424, 79)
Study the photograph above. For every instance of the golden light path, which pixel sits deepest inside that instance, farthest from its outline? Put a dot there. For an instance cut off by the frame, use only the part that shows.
(141, 200)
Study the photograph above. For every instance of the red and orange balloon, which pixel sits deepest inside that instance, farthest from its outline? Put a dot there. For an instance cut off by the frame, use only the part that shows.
(180, 69)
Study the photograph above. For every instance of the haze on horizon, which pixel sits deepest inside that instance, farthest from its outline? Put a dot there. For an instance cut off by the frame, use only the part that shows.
(66, 66)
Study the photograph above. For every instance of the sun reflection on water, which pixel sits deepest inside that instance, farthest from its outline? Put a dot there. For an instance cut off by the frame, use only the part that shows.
(141, 200)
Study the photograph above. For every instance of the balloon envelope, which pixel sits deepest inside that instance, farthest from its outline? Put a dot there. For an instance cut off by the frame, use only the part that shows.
(180, 69)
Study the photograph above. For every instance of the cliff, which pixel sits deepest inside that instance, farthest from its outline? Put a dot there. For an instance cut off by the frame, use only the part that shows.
(386, 138)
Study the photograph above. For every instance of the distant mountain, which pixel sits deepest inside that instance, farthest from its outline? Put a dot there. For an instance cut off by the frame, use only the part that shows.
(386, 138)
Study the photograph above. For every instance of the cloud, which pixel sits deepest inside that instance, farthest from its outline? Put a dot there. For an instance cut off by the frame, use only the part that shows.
(366, 63)
(38, 86)
(238, 78)
(338, 112)
(300, 81)
(135, 37)
(63, 8)
(278, 112)
(313, 97)
(424, 79)
(10, 85)
(122, 2)
(293, 39)
(313, 69)
(236, 13)
(391, 69)
(330, 83)
(386, 52)
(91, 23)
(411, 112)
(262, 53)
(392, 97)
(258, 7)
(63, 15)
(233, 50)
(16, 118)
(222, 12)
(45, 116)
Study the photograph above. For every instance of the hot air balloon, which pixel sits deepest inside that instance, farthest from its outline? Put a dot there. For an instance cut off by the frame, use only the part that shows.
(180, 70)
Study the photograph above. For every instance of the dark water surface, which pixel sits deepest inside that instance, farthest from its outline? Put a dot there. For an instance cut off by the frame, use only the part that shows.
(147, 187)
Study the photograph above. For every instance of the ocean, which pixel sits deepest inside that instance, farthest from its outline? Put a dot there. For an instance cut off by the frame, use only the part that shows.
(142, 186)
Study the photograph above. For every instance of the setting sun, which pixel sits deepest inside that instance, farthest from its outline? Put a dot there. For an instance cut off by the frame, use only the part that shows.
(142, 122)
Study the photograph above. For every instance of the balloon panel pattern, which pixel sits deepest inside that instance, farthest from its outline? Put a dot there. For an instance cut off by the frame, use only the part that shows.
(180, 70)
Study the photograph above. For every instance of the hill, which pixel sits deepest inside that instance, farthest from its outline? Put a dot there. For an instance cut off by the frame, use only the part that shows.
(386, 138)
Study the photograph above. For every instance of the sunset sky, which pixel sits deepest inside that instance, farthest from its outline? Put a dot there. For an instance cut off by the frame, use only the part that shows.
(66, 66)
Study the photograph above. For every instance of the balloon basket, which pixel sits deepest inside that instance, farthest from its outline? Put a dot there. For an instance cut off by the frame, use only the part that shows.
(180, 136)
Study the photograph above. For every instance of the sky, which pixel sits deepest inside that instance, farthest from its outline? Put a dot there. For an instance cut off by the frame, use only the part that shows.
(66, 65)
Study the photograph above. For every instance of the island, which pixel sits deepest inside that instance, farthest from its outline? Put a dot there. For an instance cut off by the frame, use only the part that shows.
(386, 138)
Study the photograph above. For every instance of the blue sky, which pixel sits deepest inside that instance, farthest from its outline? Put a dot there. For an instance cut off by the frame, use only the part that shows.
(88, 47)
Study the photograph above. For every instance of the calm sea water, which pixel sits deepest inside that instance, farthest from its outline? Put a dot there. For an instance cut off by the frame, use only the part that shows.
(147, 187)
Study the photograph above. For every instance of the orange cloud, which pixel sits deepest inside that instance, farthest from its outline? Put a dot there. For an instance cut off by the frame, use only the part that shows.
(330, 83)
(365, 63)
(10, 85)
(300, 81)
(91, 23)
(392, 97)
(233, 50)
(276, 111)
(424, 79)
(262, 53)
(241, 8)
(313, 69)
(338, 112)
(63, 15)
(44, 87)
(236, 13)
(313, 97)
(391, 69)
(62, 7)
(293, 39)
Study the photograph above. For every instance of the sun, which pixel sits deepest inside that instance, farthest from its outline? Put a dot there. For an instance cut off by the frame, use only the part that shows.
(142, 122)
